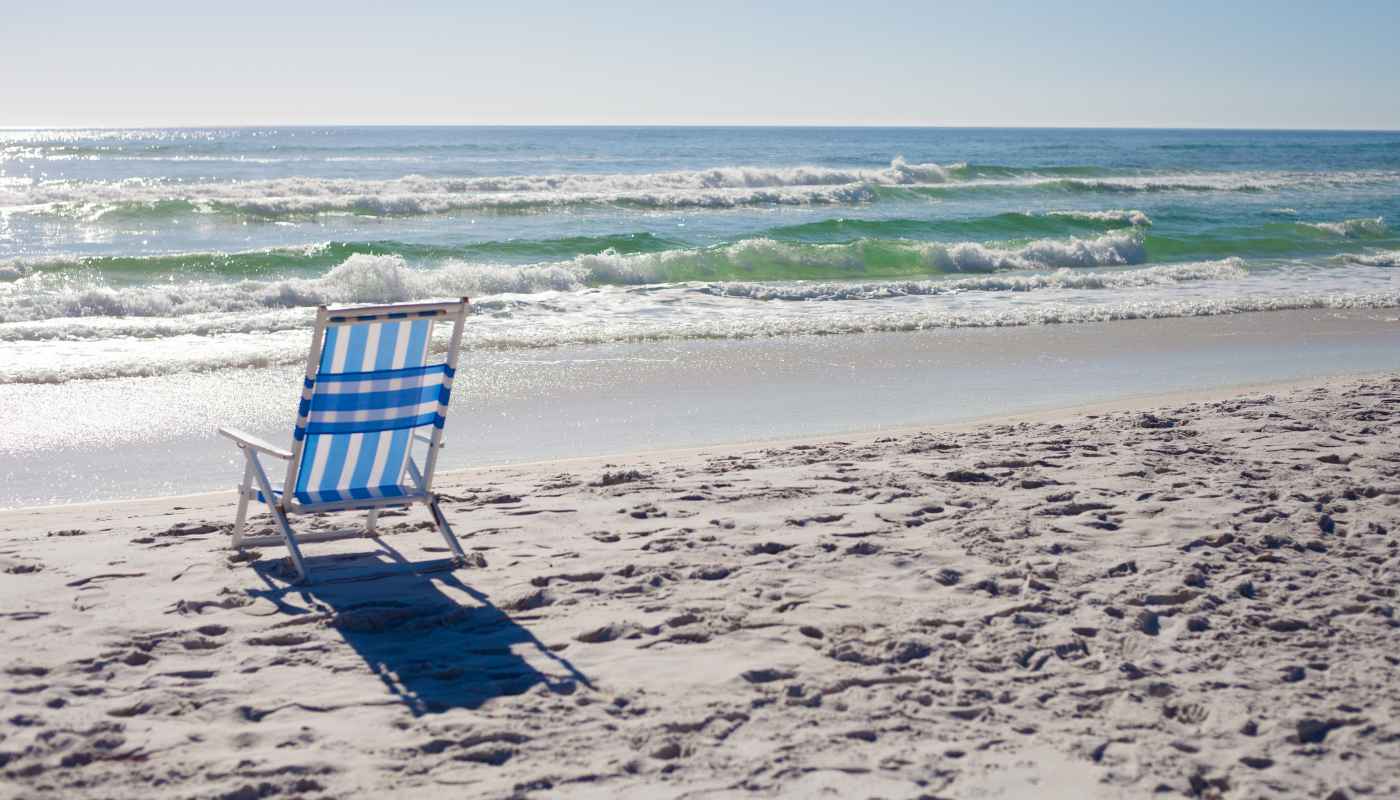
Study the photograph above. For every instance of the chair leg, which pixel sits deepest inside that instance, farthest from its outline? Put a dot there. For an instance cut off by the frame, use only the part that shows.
(446, 530)
(244, 495)
(371, 521)
(279, 516)
(293, 549)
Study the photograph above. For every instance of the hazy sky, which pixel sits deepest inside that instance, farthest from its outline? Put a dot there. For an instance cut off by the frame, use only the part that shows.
(1219, 63)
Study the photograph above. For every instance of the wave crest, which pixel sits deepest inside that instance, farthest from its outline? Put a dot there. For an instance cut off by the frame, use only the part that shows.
(620, 315)
(1382, 258)
(1352, 228)
(1227, 269)
(1131, 217)
(717, 187)
(364, 278)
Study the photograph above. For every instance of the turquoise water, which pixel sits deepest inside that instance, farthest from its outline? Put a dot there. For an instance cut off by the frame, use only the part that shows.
(162, 251)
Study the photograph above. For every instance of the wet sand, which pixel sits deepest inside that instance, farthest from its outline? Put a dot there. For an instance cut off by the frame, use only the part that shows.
(139, 437)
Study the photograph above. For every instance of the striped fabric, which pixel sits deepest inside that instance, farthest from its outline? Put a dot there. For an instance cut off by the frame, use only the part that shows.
(358, 415)
(361, 402)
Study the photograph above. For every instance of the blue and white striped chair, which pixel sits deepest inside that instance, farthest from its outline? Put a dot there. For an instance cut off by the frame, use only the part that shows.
(369, 398)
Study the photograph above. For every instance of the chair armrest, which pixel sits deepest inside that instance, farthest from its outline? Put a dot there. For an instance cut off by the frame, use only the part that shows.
(249, 440)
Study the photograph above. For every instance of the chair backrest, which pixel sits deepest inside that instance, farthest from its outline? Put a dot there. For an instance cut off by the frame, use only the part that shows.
(368, 389)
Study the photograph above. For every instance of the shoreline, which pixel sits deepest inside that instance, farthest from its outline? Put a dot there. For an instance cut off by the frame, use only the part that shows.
(532, 406)
(456, 475)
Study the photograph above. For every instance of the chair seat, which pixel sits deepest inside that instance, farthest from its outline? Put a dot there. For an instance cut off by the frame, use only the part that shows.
(373, 497)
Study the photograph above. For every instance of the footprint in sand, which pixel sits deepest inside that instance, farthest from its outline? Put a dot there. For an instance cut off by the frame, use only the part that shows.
(280, 640)
(530, 601)
(192, 674)
(134, 710)
(802, 522)
(575, 577)
(711, 572)
(190, 529)
(611, 632)
(138, 659)
(10, 567)
(106, 576)
(768, 549)
(768, 675)
(229, 601)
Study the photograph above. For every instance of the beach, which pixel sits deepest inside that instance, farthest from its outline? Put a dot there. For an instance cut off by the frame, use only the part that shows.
(646, 403)
(1188, 594)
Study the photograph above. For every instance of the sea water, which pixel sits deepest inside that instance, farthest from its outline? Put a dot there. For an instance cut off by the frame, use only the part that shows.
(188, 257)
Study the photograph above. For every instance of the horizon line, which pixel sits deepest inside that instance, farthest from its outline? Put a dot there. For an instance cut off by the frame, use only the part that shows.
(677, 125)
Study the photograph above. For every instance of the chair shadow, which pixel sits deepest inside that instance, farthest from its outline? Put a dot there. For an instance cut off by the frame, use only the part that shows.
(431, 651)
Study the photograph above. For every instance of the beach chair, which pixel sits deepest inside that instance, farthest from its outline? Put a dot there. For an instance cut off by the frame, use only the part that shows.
(370, 398)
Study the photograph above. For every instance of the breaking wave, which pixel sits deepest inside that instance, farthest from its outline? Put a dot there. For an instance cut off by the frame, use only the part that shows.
(1134, 218)
(1381, 258)
(720, 187)
(363, 278)
(716, 188)
(1228, 269)
(620, 315)
(1352, 228)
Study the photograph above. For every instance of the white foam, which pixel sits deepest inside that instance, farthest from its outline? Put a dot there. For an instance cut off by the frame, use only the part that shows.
(1132, 217)
(1350, 228)
(1379, 258)
(417, 194)
(1252, 181)
(68, 349)
(720, 187)
(70, 329)
(1227, 269)
(359, 279)
(618, 315)
(386, 279)
(213, 310)
(62, 361)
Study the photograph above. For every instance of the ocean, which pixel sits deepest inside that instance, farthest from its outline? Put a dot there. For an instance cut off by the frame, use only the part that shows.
(177, 263)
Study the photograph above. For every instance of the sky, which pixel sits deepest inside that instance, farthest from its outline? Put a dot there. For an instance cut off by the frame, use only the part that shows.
(1226, 63)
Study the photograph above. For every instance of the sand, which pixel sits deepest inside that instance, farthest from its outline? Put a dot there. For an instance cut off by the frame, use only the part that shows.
(1175, 597)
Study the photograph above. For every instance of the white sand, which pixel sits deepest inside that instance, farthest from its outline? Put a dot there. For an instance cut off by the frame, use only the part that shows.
(1199, 602)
